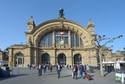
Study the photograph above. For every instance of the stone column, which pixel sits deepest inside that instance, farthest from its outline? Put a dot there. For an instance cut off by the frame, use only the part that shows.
(39, 56)
(84, 60)
(35, 56)
(69, 60)
(11, 57)
(27, 58)
(55, 57)
(69, 38)
(79, 42)
(52, 60)
(72, 57)
(74, 40)
(53, 36)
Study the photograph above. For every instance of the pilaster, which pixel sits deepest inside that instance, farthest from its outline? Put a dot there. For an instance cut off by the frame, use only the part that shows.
(69, 40)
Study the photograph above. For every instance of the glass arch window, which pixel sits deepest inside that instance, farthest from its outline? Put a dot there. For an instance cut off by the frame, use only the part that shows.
(61, 37)
(76, 41)
(46, 41)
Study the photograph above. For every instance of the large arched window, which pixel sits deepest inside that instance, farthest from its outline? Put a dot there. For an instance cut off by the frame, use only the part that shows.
(61, 37)
(76, 40)
(46, 41)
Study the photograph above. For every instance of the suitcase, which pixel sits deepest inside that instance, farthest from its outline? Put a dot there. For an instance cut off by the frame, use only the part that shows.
(88, 77)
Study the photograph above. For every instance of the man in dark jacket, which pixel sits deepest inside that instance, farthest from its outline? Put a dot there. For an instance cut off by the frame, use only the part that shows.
(58, 67)
(40, 67)
(75, 71)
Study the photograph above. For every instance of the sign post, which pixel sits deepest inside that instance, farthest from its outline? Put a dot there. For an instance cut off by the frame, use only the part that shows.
(122, 79)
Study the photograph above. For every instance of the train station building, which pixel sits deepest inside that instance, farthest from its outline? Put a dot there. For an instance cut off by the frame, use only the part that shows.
(56, 41)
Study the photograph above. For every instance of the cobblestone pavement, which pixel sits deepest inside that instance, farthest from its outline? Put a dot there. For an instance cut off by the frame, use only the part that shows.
(26, 76)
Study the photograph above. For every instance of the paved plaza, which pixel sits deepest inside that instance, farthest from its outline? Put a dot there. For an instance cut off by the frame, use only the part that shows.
(26, 76)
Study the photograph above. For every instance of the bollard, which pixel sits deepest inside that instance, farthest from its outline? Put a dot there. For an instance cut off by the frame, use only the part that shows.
(122, 79)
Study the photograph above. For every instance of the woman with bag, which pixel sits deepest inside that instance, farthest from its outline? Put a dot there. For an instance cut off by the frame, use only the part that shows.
(74, 71)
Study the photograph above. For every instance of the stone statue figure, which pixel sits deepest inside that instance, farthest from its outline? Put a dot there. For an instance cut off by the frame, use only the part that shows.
(61, 14)
(30, 42)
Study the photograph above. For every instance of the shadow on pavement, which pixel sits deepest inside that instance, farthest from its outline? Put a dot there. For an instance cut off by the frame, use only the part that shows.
(52, 73)
(66, 76)
(12, 76)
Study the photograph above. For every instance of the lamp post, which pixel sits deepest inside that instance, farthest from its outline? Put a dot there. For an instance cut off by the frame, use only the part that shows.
(98, 39)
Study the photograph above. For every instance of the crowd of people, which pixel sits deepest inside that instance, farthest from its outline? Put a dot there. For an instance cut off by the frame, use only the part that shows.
(76, 69)
(82, 69)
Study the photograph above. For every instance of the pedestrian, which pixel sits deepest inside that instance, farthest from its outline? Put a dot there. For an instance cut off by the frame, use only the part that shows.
(44, 67)
(75, 71)
(81, 71)
(30, 66)
(70, 66)
(87, 68)
(50, 67)
(58, 67)
(40, 67)
(67, 66)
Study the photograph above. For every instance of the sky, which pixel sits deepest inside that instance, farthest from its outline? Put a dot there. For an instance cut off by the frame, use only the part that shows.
(107, 15)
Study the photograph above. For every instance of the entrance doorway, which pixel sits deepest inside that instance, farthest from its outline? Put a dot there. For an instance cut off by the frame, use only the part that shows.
(62, 59)
(19, 59)
(45, 58)
(77, 59)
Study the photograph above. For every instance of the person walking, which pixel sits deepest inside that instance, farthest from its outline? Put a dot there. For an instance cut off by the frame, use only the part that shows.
(44, 68)
(75, 71)
(50, 67)
(58, 67)
(40, 67)
(81, 71)
(87, 68)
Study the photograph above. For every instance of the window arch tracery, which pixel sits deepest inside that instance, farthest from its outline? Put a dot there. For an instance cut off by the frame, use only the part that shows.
(61, 37)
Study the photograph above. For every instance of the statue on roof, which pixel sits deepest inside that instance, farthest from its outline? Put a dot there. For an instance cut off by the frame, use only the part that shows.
(61, 14)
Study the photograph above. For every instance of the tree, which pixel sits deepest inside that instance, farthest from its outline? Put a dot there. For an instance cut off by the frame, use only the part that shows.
(98, 40)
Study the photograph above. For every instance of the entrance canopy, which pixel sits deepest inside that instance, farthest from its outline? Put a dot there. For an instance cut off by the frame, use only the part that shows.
(122, 61)
(109, 62)
(112, 62)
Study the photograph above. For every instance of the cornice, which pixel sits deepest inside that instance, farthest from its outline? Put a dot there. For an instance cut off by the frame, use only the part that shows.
(56, 20)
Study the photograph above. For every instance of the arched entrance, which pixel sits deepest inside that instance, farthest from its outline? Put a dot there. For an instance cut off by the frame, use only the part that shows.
(62, 59)
(45, 59)
(19, 59)
(77, 59)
